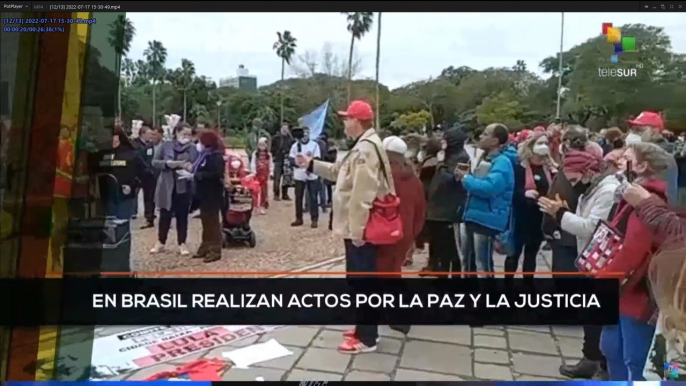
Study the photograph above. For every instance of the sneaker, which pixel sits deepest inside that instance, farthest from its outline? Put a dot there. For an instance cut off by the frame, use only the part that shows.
(159, 247)
(314, 225)
(354, 346)
(147, 225)
(263, 211)
(584, 369)
(183, 250)
(297, 223)
(347, 334)
(277, 198)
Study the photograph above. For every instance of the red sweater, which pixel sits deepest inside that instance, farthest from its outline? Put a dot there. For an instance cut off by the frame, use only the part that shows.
(640, 243)
(410, 190)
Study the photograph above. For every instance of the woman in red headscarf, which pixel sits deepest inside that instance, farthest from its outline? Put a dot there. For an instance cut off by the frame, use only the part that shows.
(208, 172)
(586, 170)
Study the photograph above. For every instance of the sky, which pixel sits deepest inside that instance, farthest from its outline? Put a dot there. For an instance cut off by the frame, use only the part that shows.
(414, 46)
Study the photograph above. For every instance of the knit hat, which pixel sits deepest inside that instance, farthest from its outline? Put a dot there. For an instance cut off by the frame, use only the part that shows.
(576, 161)
(395, 145)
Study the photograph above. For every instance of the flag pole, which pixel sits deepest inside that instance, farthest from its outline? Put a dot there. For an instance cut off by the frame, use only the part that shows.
(559, 70)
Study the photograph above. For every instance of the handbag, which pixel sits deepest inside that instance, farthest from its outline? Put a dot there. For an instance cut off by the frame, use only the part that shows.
(384, 226)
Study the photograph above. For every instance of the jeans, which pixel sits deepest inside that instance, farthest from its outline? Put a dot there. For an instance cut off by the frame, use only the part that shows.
(477, 250)
(626, 347)
(362, 259)
(311, 187)
(322, 194)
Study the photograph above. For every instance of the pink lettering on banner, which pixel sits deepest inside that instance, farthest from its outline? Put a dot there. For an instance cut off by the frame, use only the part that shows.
(186, 345)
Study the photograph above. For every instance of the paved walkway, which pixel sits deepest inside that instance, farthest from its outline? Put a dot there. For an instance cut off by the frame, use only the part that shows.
(428, 353)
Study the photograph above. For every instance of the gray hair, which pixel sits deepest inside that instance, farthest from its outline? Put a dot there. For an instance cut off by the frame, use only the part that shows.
(658, 159)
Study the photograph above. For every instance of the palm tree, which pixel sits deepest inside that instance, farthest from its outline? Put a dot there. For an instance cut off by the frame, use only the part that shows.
(285, 49)
(156, 56)
(129, 70)
(122, 32)
(359, 23)
(183, 78)
(378, 60)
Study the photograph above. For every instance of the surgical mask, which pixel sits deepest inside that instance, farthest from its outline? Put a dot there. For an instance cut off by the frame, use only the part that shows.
(198, 146)
(183, 140)
(235, 164)
(440, 156)
(541, 150)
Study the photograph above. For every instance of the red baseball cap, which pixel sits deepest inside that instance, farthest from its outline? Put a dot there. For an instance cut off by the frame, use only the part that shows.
(648, 118)
(359, 110)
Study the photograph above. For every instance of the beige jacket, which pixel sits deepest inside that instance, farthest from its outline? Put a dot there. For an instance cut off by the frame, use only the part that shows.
(359, 180)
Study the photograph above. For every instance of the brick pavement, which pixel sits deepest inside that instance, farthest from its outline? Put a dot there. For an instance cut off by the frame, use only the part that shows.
(428, 353)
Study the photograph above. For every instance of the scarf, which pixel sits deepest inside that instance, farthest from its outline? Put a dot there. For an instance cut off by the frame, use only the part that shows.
(201, 158)
(530, 181)
(581, 161)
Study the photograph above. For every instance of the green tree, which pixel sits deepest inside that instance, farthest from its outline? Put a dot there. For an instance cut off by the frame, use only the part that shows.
(156, 56)
(359, 23)
(183, 79)
(285, 49)
(121, 34)
(500, 108)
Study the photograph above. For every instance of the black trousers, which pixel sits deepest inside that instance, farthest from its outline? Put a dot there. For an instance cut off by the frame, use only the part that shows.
(312, 188)
(564, 257)
(149, 184)
(278, 176)
(530, 245)
(362, 259)
(179, 209)
(443, 253)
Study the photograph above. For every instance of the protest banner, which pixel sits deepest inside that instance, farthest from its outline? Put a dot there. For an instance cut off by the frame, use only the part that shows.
(127, 351)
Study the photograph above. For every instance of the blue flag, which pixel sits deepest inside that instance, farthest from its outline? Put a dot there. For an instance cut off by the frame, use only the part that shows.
(315, 120)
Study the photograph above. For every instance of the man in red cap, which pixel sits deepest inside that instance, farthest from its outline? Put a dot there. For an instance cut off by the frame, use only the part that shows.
(361, 176)
(650, 126)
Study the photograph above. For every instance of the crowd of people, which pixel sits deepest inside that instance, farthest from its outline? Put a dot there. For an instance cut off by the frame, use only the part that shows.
(550, 185)
(543, 187)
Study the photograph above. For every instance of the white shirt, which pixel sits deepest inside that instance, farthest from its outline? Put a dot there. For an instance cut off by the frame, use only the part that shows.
(310, 149)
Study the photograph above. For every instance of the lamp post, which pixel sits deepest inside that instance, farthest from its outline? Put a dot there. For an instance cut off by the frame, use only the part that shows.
(559, 71)
(219, 103)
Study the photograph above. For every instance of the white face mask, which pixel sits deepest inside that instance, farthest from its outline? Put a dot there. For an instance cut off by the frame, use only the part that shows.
(235, 164)
(183, 140)
(440, 156)
(541, 149)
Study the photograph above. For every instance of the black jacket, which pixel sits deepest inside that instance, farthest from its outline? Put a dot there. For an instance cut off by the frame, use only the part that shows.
(124, 163)
(147, 153)
(209, 181)
(323, 147)
(281, 146)
(446, 196)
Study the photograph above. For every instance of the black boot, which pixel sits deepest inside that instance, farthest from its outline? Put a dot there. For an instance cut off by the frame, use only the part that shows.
(584, 369)
(297, 223)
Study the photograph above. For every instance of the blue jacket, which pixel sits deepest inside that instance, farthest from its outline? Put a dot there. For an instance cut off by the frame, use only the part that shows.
(490, 197)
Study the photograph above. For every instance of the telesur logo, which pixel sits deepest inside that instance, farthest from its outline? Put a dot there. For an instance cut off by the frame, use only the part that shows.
(620, 44)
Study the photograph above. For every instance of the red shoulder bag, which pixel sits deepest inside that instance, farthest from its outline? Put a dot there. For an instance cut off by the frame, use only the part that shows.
(384, 227)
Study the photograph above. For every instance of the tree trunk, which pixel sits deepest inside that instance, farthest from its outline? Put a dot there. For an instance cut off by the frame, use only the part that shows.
(350, 67)
(283, 74)
(154, 113)
(378, 60)
(120, 86)
(184, 105)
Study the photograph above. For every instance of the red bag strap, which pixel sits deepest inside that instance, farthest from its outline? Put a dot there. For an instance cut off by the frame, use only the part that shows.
(383, 166)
